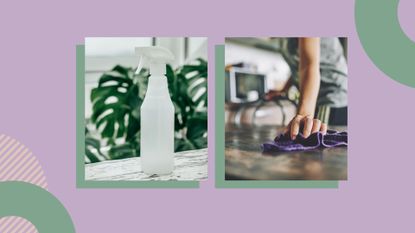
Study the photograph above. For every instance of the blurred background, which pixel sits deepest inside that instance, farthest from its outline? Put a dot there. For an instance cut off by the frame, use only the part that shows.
(113, 94)
(258, 87)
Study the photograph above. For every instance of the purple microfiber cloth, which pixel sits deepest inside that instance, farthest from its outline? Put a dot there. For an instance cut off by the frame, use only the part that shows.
(314, 141)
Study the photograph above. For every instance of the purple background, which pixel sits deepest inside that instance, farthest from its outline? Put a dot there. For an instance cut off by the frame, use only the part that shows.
(37, 96)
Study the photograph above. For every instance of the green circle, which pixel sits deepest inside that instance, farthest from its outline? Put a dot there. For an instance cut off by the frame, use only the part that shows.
(36, 205)
(384, 41)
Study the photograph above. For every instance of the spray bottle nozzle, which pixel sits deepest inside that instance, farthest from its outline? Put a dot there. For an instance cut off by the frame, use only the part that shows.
(157, 56)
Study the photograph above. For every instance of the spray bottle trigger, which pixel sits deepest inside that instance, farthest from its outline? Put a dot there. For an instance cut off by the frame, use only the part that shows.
(140, 65)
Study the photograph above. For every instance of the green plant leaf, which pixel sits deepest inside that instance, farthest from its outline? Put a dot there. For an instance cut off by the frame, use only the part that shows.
(196, 78)
(197, 125)
(95, 144)
(126, 150)
(182, 144)
(115, 99)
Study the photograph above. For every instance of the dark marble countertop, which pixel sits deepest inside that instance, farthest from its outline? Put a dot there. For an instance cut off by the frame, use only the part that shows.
(244, 159)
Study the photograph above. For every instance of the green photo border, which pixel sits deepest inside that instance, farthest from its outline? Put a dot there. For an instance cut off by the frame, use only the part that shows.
(220, 142)
(80, 142)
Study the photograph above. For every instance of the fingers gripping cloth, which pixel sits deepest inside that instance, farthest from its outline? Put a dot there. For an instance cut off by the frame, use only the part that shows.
(317, 140)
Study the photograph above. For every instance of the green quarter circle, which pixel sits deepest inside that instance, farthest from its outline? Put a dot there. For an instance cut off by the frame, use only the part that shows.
(384, 40)
(36, 205)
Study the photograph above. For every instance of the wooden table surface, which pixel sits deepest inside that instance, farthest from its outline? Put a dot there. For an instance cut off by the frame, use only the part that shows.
(189, 165)
(244, 159)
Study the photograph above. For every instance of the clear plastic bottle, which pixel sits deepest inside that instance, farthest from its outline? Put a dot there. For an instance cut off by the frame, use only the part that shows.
(157, 114)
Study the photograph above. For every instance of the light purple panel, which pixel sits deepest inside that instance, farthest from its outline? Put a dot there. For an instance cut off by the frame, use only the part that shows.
(37, 96)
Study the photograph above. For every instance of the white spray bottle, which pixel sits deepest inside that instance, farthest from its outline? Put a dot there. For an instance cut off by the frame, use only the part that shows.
(157, 114)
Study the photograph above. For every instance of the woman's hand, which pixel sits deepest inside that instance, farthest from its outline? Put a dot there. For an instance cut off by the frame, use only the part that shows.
(307, 124)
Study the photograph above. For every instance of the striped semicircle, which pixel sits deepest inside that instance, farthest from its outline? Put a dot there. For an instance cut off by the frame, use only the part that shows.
(17, 163)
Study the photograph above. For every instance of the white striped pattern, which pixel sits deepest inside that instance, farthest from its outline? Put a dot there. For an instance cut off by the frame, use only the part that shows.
(14, 224)
(18, 164)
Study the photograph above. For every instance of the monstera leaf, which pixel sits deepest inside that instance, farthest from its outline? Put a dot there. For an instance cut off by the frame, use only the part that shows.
(190, 91)
(116, 105)
(196, 77)
(196, 131)
(92, 148)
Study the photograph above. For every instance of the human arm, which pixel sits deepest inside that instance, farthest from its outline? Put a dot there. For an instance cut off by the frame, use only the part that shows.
(309, 77)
